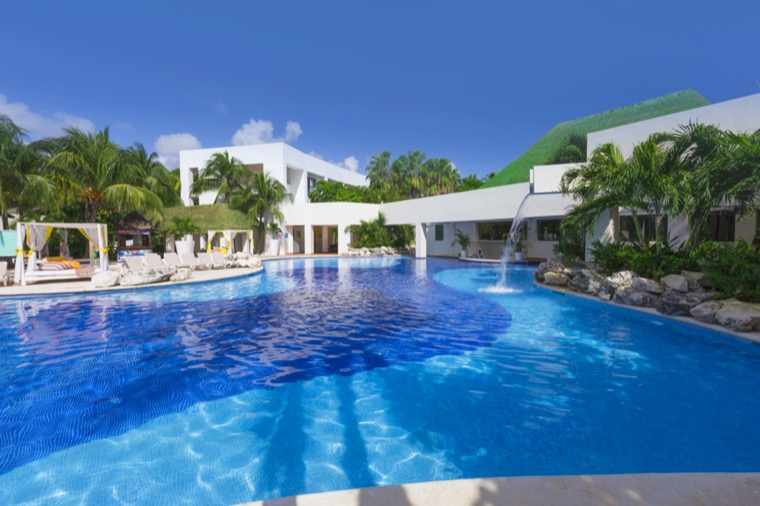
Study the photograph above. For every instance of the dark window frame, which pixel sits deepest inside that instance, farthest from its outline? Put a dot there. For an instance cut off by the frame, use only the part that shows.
(552, 234)
(438, 232)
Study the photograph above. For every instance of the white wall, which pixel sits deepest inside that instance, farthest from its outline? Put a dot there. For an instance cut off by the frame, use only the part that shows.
(738, 115)
(547, 178)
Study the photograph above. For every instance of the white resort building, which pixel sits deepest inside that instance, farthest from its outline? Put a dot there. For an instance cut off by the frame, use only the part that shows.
(482, 214)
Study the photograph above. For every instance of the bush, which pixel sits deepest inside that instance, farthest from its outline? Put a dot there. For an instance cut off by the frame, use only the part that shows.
(653, 262)
(571, 246)
(333, 191)
(732, 268)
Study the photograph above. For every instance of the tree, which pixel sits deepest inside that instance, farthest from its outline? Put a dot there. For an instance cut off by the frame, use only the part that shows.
(92, 170)
(23, 186)
(223, 174)
(379, 173)
(155, 177)
(468, 183)
(259, 197)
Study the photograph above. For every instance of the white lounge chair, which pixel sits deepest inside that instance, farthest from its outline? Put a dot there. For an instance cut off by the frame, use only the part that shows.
(4, 273)
(172, 260)
(218, 261)
(135, 263)
(154, 261)
(204, 261)
(189, 261)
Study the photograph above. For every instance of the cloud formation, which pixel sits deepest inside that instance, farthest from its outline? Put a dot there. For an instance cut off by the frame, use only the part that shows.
(351, 163)
(168, 146)
(261, 131)
(40, 125)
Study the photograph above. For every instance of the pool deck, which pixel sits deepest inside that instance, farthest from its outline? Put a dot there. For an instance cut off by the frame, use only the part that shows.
(84, 285)
(677, 489)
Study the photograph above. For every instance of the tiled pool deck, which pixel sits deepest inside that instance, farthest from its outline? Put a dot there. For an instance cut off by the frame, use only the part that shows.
(689, 489)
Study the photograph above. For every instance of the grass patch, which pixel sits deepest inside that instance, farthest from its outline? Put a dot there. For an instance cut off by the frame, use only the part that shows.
(543, 151)
(210, 217)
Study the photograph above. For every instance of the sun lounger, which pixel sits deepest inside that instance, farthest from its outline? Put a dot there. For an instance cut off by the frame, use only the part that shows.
(204, 261)
(172, 260)
(218, 261)
(189, 261)
(135, 263)
(154, 261)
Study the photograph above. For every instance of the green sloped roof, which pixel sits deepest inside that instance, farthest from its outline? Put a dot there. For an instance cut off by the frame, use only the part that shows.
(210, 217)
(543, 151)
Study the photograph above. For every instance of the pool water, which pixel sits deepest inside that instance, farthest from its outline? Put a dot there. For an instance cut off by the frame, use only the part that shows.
(339, 373)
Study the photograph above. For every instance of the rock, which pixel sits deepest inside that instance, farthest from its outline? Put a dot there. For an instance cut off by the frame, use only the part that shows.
(675, 282)
(622, 279)
(556, 278)
(740, 316)
(633, 297)
(705, 312)
(695, 279)
(678, 303)
(646, 285)
(182, 274)
(606, 291)
(105, 279)
(587, 281)
(549, 266)
(143, 277)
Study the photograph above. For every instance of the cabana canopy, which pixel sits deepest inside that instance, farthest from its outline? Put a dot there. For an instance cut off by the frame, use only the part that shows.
(38, 234)
(228, 237)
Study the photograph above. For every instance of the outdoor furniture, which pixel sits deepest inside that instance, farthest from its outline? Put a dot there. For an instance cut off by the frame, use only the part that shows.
(204, 261)
(135, 263)
(218, 261)
(154, 261)
(189, 261)
(172, 260)
(4, 273)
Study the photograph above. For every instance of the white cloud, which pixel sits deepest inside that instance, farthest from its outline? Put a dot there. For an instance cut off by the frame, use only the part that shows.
(293, 131)
(259, 131)
(254, 132)
(351, 163)
(168, 146)
(40, 125)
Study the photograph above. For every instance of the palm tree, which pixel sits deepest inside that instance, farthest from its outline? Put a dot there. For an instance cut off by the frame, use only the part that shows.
(379, 173)
(93, 170)
(155, 177)
(439, 176)
(223, 174)
(259, 197)
(22, 185)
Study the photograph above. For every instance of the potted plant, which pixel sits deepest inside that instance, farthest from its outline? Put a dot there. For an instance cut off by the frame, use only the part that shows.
(463, 240)
(182, 231)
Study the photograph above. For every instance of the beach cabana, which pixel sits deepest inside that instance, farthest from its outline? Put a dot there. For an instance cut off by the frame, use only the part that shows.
(36, 235)
(229, 241)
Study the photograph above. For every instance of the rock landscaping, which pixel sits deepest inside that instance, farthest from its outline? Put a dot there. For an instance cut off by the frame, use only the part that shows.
(370, 252)
(685, 294)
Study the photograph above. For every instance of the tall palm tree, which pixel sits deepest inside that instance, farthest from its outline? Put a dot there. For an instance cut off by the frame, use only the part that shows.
(379, 173)
(223, 174)
(259, 197)
(155, 177)
(439, 176)
(93, 170)
(23, 186)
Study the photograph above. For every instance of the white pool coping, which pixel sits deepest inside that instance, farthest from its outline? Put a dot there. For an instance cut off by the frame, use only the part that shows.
(671, 489)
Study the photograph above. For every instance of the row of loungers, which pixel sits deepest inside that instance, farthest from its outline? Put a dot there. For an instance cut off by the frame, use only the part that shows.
(203, 261)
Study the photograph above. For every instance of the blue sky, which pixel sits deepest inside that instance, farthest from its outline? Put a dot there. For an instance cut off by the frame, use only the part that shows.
(476, 82)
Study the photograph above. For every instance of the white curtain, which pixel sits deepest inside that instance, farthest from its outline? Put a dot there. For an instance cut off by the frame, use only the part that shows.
(37, 236)
(18, 272)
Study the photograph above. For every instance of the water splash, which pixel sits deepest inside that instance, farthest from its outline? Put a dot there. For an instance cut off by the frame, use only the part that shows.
(502, 285)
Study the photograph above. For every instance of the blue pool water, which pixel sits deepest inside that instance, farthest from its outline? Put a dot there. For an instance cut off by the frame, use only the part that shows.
(327, 374)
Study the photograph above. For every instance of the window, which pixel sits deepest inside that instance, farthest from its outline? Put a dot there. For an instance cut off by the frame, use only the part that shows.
(311, 183)
(722, 226)
(498, 231)
(439, 232)
(548, 230)
(647, 224)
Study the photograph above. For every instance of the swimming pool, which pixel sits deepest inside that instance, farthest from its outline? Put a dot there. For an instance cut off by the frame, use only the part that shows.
(340, 373)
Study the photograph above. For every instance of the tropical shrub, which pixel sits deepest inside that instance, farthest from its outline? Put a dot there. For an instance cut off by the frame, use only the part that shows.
(653, 262)
(371, 234)
(180, 226)
(732, 268)
(571, 246)
(333, 191)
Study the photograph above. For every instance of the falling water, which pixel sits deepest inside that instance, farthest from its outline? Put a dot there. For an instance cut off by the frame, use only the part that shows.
(502, 285)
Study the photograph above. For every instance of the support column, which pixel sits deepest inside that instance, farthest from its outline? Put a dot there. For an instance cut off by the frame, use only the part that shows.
(344, 239)
(325, 239)
(420, 240)
(308, 239)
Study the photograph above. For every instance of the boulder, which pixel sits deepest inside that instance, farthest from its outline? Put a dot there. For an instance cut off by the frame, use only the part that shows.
(143, 277)
(695, 280)
(675, 282)
(646, 285)
(586, 281)
(622, 279)
(606, 291)
(105, 279)
(633, 297)
(740, 316)
(182, 274)
(556, 278)
(549, 266)
(705, 312)
(678, 303)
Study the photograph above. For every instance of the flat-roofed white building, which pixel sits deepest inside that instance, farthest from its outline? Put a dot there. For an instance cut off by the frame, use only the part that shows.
(484, 215)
